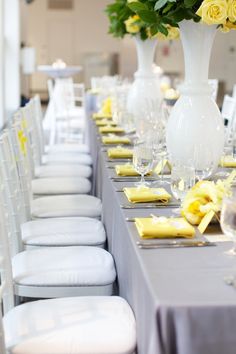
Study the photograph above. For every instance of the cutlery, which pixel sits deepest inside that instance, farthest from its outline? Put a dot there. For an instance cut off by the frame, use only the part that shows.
(118, 160)
(149, 206)
(173, 244)
(131, 179)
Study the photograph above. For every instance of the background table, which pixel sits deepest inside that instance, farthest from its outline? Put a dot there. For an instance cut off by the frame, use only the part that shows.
(181, 302)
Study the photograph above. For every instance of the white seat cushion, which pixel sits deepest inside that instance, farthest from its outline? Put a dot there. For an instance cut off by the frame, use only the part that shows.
(84, 325)
(66, 205)
(76, 148)
(63, 171)
(64, 266)
(61, 185)
(63, 232)
(65, 158)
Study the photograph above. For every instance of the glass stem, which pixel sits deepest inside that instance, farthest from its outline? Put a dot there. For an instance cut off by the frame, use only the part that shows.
(142, 181)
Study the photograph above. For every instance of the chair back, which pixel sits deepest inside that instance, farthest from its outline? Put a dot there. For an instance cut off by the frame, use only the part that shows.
(234, 91)
(228, 109)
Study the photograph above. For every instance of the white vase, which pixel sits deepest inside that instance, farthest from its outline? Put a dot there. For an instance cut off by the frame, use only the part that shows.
(146, 85)
(195, 130)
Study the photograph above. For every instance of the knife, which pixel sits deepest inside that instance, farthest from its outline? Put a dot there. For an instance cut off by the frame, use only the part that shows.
(174, 244)
(149, 206)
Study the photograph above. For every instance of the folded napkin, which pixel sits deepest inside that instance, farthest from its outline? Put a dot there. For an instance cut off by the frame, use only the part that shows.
(120, 153)
(228, 161)
(115, 140)
(145, 194)
(161, 227)
(104, 122)
(126, 170)
(109, 129)
(101, 115)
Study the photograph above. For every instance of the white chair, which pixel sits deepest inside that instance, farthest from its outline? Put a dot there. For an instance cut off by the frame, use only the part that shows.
(62, 325)
(234, 92)
(45, 185)
(68, 118)
(228, 108)
(49, 232)
(53, 271)
(78, 325)
(78, 154)
(51, 206)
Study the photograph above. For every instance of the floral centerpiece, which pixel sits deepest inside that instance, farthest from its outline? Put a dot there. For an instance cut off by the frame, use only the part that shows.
(125, 21)
(203, 202)
(195, 114)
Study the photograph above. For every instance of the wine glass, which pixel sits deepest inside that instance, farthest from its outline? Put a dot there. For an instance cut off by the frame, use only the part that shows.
(142, 161)
(228, 221)
(182, 180)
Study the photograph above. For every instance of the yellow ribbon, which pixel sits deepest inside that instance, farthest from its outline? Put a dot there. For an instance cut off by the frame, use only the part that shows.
(22, 140)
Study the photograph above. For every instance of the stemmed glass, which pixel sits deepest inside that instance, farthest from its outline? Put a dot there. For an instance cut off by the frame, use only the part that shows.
(228, 221)
(182, 180)
(142, 161)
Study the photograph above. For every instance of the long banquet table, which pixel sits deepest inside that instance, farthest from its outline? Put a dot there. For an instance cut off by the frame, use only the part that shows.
(181, 303)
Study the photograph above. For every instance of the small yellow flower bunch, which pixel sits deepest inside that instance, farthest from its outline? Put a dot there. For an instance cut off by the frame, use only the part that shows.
(204, 197)
(218, 12)
(173, 33)
(133, 24)
(106, 106)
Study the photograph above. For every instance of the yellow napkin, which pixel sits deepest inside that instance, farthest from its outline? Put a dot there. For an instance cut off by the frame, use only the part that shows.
(101, 115)
(120, 153)
(145, 194)
(126, 170)
(115, 140)
(109, 129)
(104, 122)
(161, 227)
(228, 161)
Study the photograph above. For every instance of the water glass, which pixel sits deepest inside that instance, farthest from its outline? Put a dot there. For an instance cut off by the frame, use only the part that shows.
(142, 160)
(182, 180)
(228, 221)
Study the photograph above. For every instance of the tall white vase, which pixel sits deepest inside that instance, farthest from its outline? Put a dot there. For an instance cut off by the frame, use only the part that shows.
(195, 130)
(146, 83)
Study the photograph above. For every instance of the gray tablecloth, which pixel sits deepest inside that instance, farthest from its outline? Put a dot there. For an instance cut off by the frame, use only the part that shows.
(180, 300)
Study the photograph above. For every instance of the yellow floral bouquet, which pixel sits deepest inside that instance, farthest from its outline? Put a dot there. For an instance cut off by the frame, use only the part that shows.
(164, 15)
(124, 19)
(205, 199)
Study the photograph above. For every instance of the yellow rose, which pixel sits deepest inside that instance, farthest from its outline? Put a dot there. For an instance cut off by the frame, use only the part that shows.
(213, 12)
(131, 24)
(228, 26)
(232, 10)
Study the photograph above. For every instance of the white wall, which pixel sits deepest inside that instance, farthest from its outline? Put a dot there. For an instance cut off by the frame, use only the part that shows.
(72, 34)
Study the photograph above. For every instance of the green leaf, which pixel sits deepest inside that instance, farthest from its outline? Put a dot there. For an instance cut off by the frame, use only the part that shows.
(189, 3)
(148, 16)
(162, 29)
(159, 4)
(137, 6)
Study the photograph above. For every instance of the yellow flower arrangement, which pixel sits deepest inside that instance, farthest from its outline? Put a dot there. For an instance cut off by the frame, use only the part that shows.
(132, 25)
(204, 197)
(228, 26)
(213, 12)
